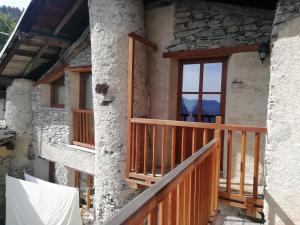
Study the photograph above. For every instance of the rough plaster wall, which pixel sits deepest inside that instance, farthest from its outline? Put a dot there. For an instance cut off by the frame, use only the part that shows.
(110, 22)
(18, 116)
(282, 168)
(159, 31)
(246, 104)
(5, 159)
(203, 24)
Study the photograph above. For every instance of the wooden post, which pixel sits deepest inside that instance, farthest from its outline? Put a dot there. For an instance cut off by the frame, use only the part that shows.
(217, 135)
(131, 53)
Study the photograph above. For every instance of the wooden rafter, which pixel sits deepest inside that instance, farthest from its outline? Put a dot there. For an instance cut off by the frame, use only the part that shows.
(56, 70)
(42, 40)
(62, 23)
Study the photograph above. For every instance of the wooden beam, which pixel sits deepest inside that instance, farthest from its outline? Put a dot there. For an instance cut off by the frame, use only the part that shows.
(42, 40)
(143, 40)
(31, 54)
(9, 56)
(62, 63)
(79, 69)
(62, 23)
(212, 52)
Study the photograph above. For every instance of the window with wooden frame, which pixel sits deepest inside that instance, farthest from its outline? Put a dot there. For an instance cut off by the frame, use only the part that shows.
(202, 90)
(85, 183)
(58, 93)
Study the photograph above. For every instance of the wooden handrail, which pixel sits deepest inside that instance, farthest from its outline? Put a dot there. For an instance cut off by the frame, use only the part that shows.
(212, 126)
(138, 209)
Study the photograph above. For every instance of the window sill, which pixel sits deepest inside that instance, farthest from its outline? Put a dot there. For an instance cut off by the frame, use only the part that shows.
(82, 148)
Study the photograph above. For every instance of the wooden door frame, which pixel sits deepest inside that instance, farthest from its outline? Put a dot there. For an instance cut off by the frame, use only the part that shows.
(201, 61)
(82, 91)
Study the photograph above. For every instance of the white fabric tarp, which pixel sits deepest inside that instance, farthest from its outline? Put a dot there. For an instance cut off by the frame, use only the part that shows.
(41, 203)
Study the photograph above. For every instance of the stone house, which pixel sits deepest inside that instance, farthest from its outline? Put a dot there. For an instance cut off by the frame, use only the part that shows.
(89, 82)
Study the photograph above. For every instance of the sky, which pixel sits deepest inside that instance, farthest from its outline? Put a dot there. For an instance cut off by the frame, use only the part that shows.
(15, 3)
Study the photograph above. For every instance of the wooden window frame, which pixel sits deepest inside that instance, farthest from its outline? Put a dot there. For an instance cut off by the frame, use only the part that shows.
(89, 181)
(202, 61)
(55, 105)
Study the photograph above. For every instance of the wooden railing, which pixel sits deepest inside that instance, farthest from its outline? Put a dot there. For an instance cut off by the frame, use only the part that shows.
(158, 146)
(188, 195)
(83, 128)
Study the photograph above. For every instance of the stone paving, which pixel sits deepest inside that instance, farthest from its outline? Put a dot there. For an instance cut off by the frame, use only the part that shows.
(232, 220)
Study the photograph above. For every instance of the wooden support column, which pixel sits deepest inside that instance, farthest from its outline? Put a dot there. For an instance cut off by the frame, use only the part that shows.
(131, 53)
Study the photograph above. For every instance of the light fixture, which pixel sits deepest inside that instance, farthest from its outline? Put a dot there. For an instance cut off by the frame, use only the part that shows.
(263, 51)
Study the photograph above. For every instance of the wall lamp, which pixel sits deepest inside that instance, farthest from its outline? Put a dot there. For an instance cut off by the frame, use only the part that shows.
(263, 51)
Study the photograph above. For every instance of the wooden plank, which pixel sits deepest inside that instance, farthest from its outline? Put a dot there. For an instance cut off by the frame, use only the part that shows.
(143, 40)
(241, 198)
(137, 148)
(154, 150)
(145, 148)
(153, 217)
(243, 160)
(211, 52)
(194, 140)
(131, 53)
(173, 148)
(205, 136)
(211, 126)
(229, 161)
(256, 164)
(163, 150)
(183, 144)
(141, 206)
(79, 69)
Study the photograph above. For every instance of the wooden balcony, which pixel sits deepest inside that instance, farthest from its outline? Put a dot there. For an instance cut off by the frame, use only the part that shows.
(83, 128)
(159, 146)
(188, 194)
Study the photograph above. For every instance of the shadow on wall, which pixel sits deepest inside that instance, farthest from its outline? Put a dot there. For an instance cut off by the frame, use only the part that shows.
(276, 210)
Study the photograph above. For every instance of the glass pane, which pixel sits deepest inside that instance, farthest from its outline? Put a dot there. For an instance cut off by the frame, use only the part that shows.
(212, 77)
(88, 92)
(189, 107)
(211, 104)
(59, 92)
(191, 78)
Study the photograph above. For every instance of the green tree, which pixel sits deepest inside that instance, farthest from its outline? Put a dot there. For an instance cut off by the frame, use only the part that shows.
(7, 25)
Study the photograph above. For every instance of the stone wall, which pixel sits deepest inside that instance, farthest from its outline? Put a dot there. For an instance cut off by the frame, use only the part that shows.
(203, 24)
(18, 117)
(282, 168)
(52, 126)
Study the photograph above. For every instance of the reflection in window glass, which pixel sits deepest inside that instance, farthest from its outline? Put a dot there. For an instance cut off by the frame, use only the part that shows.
(211, 104)
(212, 77)
(189, 107)
(191, 78)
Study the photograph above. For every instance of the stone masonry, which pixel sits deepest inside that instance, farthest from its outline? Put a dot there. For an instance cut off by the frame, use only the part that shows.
(110, 22)
(203, 24)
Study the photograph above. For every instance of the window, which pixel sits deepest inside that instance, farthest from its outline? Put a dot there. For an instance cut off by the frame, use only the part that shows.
(58, 93)
(202, 90)
(85, 183)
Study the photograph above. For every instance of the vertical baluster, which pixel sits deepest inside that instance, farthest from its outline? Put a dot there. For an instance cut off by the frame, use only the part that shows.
(163, 150)
(205, 137)
(154, 150)
(163, 212)
(137, 148)
(133, 147)
(243, 157)
(84, 127)
(74, 126)
(145, 148)
(256, 164)
(173, 148)
(194, 141)
(89, 128)
(191, 198)
(229, 161)
(153, 217)
(180, 207)
(183, 144)
(80, 131)
(173, 206)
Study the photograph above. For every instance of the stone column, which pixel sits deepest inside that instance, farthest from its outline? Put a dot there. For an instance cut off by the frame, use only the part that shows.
(282, 156)
(18, 117)
(110, 23)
